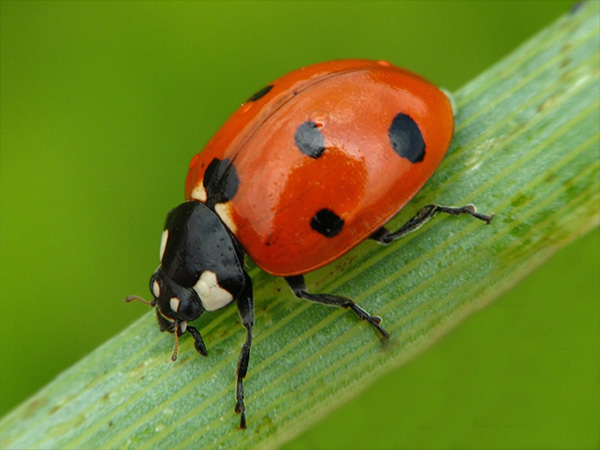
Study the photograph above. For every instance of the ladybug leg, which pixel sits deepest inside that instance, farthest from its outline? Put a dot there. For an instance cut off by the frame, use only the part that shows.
(384, 236)
(245, 304)
(298, 287)
(198, 341)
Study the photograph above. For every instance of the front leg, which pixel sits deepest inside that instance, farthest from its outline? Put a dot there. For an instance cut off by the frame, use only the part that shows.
(198, 341)
(245, 304)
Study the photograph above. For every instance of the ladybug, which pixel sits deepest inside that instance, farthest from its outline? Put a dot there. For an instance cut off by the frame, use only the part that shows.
(307, 168)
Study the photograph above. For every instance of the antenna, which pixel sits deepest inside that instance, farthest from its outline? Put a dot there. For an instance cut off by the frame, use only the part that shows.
(131, 298)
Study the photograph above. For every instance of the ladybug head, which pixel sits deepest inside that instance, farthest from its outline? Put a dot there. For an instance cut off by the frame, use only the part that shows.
(200, 267)
(175, 304)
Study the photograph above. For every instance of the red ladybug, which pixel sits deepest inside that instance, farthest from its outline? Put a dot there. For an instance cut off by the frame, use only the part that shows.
(308, 167)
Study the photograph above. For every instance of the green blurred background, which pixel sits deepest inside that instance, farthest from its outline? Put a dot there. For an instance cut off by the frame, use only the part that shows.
(104, 103)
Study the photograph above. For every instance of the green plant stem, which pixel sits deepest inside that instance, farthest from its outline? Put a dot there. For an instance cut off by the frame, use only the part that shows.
(526, 148)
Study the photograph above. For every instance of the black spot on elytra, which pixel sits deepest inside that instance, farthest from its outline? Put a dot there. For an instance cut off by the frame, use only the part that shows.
(220, 181)
(310, 140)
(326, 222)
(407, 139)
(260, 94)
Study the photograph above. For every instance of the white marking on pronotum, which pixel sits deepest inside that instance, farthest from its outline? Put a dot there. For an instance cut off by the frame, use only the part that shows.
(174, 303)
(212, 295)
(224, 212)
(163, 243)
